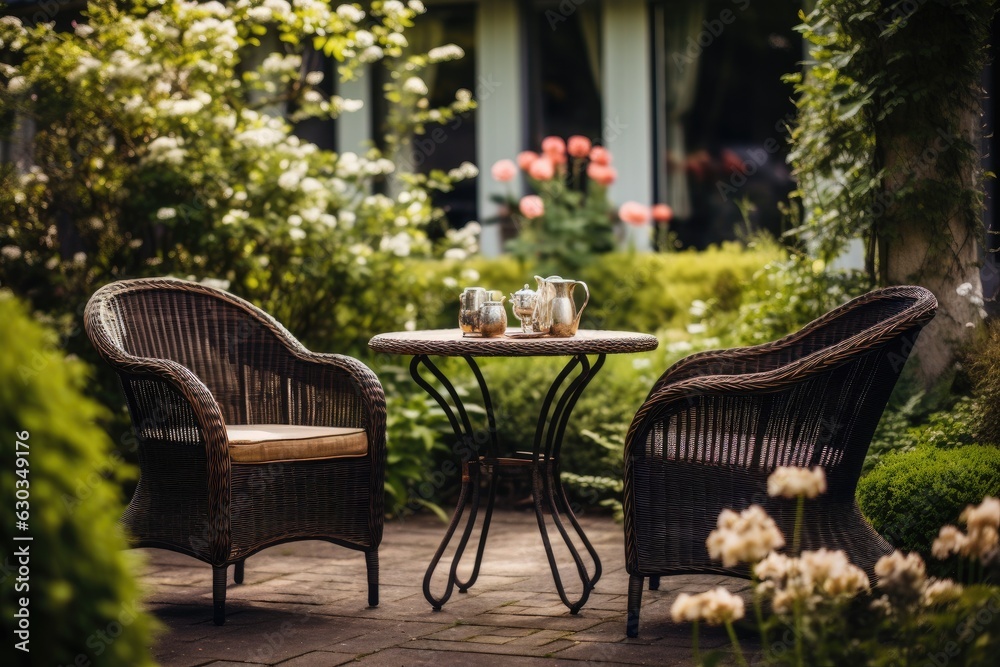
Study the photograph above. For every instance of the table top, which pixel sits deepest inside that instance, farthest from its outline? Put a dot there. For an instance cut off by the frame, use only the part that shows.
(451, 343)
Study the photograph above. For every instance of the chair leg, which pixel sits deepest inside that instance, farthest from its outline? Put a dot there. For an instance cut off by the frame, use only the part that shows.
(371, 561)
(654, 583)
(219, 593)
(238, 571)
(634, 604)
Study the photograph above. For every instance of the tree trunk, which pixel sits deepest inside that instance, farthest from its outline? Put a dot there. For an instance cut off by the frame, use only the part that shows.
(942, 257)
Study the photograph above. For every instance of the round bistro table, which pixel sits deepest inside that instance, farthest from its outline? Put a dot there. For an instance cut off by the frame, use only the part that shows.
(543, 459)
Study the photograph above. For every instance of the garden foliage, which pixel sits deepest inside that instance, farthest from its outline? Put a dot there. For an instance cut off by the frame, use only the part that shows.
(84, 604)
(911, 494)
(161, 140)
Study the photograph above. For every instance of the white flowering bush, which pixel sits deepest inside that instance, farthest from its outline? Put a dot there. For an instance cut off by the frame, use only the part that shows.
(817, 608)
(160, 139)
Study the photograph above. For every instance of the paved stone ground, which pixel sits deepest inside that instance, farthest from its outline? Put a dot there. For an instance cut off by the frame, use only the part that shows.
(304, 604)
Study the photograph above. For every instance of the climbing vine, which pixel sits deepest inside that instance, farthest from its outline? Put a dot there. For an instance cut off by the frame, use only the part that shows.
(885, 143)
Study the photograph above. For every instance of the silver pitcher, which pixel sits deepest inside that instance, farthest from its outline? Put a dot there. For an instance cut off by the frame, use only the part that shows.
(555, 310)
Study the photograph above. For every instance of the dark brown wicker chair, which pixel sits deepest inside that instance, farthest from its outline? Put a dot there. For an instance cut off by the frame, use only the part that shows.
(716, 424)
(245, 438)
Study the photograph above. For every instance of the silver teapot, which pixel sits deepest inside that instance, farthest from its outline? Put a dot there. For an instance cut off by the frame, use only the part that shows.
(522, 302)
(555, 311)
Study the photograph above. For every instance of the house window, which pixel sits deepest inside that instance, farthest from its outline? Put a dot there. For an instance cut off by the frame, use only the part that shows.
(720, 113)
(564, 69)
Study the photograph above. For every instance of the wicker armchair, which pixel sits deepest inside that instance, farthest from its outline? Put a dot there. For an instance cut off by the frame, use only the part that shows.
(716, 424)
(245, 438)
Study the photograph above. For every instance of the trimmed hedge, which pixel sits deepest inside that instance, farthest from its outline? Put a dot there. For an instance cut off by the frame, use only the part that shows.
(910, 495)
(84, 604)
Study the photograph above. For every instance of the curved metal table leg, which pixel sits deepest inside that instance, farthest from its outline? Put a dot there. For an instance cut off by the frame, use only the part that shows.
(473, 469)
(547, 486)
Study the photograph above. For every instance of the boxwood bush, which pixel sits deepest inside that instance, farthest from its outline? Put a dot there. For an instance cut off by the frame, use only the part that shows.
(910, 495)
(84, 604)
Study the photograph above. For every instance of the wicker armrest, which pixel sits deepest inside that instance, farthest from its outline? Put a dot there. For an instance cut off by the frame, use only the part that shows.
(324, 369)
(734, 361)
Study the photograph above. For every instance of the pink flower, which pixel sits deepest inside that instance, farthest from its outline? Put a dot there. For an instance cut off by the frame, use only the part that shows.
(504, 171)
(532, 207)
(602, 174)
(578, 146)
(525, 158)
(634, 213)
(542, 169)
(600, 155)
(663, 213)
(554, 147)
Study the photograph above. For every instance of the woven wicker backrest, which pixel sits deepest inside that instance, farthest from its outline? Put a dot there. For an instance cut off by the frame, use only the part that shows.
(812, 398)
(230, 345)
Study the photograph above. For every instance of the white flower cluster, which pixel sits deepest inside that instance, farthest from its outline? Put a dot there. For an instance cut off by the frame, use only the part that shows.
(445, 53)
(982, 541)
(394, 9)
(464, 240)
(218, 36)
(277, 63)
(415, 85)
(975, 298)
(166, 150)
(350, 13)
(810, 579)
(791, 482)
(746, 537)
(464, 171)
(716, 607)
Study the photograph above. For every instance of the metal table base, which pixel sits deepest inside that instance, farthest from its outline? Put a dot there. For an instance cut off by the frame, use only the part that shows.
(481, 469)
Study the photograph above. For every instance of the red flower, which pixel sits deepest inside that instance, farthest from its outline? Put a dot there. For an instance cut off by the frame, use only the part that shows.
(554, 147)
(542, 169)
(663, 213)
(634, 213)
(600, 155)
(525, 158)
(602, 174)
(578, 146)
(532, 207)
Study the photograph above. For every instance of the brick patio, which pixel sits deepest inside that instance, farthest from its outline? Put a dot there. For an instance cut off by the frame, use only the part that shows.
(304, 605)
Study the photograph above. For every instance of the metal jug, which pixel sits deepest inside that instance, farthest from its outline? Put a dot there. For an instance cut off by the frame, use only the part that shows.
(555, 310)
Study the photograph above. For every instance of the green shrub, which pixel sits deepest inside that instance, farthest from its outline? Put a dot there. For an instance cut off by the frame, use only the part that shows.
(83, 596)
(910, 495)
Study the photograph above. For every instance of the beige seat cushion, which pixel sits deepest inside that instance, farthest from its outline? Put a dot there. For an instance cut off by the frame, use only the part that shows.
(267, 443)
